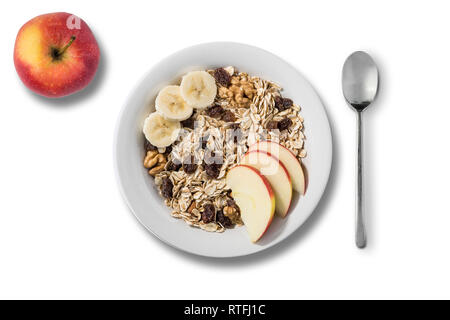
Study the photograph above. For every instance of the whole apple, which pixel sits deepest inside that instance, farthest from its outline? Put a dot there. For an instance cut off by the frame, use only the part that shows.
(56, 54)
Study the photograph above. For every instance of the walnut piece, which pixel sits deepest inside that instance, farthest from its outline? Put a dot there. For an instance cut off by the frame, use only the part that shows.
(240, 93)
(232, 214)
(154, 161)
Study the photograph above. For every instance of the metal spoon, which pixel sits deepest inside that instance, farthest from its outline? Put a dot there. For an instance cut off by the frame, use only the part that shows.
(360, 86)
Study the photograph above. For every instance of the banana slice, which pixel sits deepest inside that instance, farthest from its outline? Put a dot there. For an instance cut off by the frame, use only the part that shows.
(171, 104)
(160, 131)
(199, 89)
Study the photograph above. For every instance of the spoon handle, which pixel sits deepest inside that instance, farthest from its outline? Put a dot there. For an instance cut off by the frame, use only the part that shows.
(360, 226)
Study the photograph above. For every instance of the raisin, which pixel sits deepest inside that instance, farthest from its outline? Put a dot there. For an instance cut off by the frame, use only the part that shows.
(209, 213)
(284, 124)
(168, 150)
(228, 116)
(167, 188)
(234, 126)
(283, 103)
(213, 170)
(173, 166)
(222, 77)
(215, 111)
(189, 165)
(148, 146)
(272, 125)
(278, 102)
(218, 112)
(188, 123)
(189, 168)
(223, 220)
(287, 103)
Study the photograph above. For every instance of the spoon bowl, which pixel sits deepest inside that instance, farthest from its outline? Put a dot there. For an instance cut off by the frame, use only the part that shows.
(360, 80)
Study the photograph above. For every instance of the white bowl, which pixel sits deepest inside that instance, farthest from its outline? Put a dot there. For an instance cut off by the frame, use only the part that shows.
(138, 188)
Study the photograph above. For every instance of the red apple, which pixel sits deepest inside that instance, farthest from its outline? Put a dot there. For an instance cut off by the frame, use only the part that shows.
(56, 54)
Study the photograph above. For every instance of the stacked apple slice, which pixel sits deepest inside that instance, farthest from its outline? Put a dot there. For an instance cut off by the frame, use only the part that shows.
(255, 198)
(262, 185)
(288, 159)
(277, 175)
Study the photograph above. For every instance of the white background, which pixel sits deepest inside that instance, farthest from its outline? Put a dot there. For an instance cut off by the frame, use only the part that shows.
(66, 233)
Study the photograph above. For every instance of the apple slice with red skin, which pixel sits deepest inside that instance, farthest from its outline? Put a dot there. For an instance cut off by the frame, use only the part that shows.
(289, 160)
(276, 173)
(255, 198)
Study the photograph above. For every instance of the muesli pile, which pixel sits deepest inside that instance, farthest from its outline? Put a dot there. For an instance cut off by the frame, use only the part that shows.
(192, 143)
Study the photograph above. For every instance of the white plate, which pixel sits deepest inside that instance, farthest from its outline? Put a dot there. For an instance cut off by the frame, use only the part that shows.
(138, 188)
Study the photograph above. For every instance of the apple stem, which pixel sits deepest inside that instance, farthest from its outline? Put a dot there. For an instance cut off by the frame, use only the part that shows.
(61, 52)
